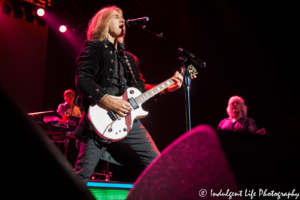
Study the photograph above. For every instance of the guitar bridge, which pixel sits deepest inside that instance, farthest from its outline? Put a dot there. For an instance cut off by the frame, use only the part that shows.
(112, 115)
(133, 103)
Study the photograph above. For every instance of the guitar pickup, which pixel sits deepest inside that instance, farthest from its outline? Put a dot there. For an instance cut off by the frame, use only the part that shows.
(112, 115)
(133, 103)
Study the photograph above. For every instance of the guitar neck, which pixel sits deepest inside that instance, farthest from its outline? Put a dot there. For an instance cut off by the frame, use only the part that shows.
(153, 91)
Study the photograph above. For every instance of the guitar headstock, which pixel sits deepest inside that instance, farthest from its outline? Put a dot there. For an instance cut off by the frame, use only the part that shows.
(192, 71)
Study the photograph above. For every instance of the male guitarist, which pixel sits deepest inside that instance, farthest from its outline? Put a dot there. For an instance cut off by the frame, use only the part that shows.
(105, 69)
(238, 120)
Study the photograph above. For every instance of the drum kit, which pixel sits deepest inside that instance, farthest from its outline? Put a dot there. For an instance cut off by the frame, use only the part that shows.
(59, 128)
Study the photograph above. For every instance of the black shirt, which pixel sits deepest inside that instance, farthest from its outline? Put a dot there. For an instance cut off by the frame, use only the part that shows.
(119, 80)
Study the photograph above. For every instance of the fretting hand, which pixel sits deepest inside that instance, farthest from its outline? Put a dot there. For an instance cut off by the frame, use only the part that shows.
(177, 78)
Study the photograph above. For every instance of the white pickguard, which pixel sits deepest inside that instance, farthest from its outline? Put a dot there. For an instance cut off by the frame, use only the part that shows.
(116, 130)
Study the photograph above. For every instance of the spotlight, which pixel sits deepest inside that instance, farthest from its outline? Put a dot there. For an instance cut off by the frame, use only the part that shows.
(40, 12)
(39, 18)
(6, 9)
(63, 28)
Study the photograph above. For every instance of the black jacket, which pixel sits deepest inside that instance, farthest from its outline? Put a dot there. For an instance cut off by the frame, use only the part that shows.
(95, 69)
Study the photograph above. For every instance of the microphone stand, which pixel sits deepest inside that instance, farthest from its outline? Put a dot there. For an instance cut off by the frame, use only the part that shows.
(186, 59)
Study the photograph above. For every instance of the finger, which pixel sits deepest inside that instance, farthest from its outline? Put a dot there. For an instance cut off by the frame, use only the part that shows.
(176, 79)
(126, 111)
(126, 103)
(122, 114)
(180, 77)
(126, 107)
(178, 82)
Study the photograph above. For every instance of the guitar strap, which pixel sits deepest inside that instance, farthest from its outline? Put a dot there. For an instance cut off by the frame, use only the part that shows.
(122, 73)
(125, 62)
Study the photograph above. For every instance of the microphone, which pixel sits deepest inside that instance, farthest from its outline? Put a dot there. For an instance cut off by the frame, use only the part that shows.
(132, 22)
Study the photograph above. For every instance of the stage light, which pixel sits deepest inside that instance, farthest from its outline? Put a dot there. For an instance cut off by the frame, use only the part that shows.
(63, 28)
(40, 17)
(6, 8)
(40, 12)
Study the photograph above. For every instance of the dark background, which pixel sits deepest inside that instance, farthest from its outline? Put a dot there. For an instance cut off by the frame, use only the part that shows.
(249, 47)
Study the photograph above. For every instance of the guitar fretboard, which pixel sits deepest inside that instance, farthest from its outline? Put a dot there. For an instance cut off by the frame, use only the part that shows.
(153, 91)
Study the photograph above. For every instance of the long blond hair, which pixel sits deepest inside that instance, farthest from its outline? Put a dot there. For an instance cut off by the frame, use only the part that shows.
(241, 100)
(98, 25)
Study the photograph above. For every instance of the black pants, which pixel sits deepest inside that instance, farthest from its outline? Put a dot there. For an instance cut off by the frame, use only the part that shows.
(138, 142)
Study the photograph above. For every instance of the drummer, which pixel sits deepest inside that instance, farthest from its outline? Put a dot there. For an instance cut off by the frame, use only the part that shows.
(68, 111)
(69, 108)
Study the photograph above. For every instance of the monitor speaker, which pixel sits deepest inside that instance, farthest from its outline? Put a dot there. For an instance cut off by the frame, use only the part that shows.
(206, 164)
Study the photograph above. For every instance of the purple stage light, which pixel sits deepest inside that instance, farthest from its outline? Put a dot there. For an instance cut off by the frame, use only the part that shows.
(63, 28)
(40, 12)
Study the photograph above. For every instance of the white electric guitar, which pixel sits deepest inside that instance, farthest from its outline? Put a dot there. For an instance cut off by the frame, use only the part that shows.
(112, 127)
